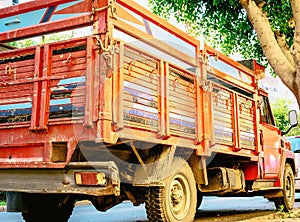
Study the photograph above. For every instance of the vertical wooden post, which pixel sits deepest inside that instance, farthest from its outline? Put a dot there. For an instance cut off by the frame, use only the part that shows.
(89, 75)
(45, 91)
(118, 82)
(37, 86)
(206, 111)
(163, 101)
(104, 125)
(199, 126)
(256, 114)
(236, 122)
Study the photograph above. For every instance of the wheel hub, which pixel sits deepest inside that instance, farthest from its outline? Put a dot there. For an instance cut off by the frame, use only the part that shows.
(177, 194)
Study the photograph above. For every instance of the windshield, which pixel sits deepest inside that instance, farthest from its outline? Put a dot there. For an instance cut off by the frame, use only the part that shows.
(295, 143)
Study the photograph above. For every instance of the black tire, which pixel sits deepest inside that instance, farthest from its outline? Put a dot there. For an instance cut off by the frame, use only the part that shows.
(177, 200)
(286, 202)
(48, 208)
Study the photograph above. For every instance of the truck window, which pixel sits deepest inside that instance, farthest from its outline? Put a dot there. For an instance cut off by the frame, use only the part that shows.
(265, 110)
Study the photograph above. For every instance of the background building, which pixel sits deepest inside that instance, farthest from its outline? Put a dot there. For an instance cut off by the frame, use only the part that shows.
(277, 90)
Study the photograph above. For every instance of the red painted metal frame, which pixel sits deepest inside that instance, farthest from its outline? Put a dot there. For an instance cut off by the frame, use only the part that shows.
(138, 9)
(252, 74)
(85, 19)
(29, 7)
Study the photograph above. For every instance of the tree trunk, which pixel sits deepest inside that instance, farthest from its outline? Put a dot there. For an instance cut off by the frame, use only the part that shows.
(285, 63)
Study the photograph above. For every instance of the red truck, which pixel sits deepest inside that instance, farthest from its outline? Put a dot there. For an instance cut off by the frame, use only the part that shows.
(134, 109)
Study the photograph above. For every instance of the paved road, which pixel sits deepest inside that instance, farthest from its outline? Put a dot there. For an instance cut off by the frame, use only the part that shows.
(212, 209)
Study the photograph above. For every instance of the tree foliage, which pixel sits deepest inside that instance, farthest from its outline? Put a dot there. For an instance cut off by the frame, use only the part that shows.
(225, 24)
(2, 196)
(42, 40)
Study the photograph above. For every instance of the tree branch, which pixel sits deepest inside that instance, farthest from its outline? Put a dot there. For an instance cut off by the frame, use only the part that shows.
(275, 56)
(281, 39)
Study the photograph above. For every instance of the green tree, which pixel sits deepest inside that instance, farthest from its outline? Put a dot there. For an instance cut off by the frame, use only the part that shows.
(42, 40)
(23, 43)
(266, 30)
(280, 111)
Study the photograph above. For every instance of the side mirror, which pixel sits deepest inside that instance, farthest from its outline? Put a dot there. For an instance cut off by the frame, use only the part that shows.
(293, 117)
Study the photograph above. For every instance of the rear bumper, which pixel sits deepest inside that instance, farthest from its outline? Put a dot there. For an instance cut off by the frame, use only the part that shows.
(61, 181)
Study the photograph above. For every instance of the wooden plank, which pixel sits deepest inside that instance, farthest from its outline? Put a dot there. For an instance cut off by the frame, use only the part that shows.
(147, 110)
(17, 64)
(150, 125)
(145, 65)
(6, 90)
(137, 79)
(66, 69)
(223, 109)
(146, 97)
(142, 92)
(247, 122)
(25, 95)
(182, 130)
(139, 58)
(189, 103)
(15, 100)
(140, 77)
(74, 61)
(182, 80)
(69, 74)
(142, 98)
(177, 108)
(16, 53)
(181, 93)
(225, 116)
(222, 121)
(138, 72)
(246, 118)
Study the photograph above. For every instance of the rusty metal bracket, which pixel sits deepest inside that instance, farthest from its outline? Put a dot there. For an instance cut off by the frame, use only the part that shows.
(69, 61)
(11, 72)
(104, 45)
(207, 86)
(130, 67)
(176, 84)
(191, 88)
(216, 56)
(153, 75)
(203, 57)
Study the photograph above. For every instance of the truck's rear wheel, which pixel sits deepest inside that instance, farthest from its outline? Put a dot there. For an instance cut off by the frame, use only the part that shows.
(48, 208)
(177, 200)
(288, 199)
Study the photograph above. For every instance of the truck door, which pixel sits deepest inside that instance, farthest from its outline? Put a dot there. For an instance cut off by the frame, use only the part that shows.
(270, 140)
